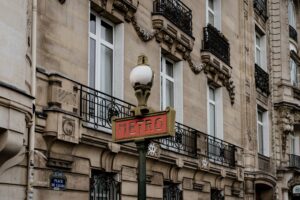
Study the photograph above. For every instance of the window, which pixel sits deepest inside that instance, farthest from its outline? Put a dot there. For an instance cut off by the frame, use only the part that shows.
(213, 13)
(215, 112)
(291, 14)
(106, 55)
(171, 78)
(260, 47)
(172, 191)
(294, 72)
(292, 144)
(262, 132)
(104, 186)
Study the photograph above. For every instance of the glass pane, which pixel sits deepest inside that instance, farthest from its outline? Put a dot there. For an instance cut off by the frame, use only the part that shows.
(92, 66)
(211, 4)
(106, 32)
(292, 145)
(260, 116)
(211, 94)
(211, 18)
(106, 65)
(293, 68)
(169, 68)
(257, 40)
(212, 130)
(92, 23)
(257, 57)
(169, 93)
(260, 139)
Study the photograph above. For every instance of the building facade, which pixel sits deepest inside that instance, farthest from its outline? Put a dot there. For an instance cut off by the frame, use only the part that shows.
(229, 68)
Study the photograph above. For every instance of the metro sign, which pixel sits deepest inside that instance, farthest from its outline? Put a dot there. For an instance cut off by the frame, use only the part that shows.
(153, 125)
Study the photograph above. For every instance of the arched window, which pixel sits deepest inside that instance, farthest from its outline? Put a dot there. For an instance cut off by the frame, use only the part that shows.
(292, 14)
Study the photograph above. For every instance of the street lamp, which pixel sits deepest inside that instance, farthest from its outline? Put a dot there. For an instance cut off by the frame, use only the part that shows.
(141, 79)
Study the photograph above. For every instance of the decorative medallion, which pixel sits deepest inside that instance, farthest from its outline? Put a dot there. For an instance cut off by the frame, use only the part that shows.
(68, 126)
(154, 150)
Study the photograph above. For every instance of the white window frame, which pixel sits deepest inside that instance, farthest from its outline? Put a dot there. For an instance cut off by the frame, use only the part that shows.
(118, 59)
(216, 12)
(295, 139)
(293, 72)
(266, 139)
(292, 14)
(218, 112)
(118, 56)
(177, 80)
(262, 48)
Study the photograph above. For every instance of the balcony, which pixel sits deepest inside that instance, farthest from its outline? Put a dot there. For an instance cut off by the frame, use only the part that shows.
(216, 43)
(262, 80)
(176, 12)
(260, 7)
(264, 163)
(294, 161)
(293, 33)
(97, 109)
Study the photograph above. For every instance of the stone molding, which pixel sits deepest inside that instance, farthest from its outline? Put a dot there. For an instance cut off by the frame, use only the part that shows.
(218, 74)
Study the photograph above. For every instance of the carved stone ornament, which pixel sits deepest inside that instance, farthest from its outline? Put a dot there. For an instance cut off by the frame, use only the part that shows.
(219, 76)
(68, 126)
(125, 7)
(154, 150)
(286, 121)
(203, 163)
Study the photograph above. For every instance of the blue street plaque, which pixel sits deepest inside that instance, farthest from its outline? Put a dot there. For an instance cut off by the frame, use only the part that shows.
(58, 181)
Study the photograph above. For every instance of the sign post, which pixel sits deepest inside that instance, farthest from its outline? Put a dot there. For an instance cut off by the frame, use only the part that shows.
(144, 124)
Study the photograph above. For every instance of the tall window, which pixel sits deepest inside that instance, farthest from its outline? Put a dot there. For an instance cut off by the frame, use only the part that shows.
(262, 132)
(215, 112)
(104, 187)
(101, 54)
(294, 72)
(260, 129)
(292, 144)
(213, 13)
(167, 83)
(260, 47)
(172, 191)
(212, 112)
(291, 14)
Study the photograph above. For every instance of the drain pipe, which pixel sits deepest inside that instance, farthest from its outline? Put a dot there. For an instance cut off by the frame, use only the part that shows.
(31, 139)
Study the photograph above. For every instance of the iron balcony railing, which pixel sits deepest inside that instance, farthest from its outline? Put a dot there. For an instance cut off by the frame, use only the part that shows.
(293, 33)
(184, 142)
(294, 161)
(97, 108)
(172, 192)
(264, 163)
(176, 12)
(221, 152)
(216, 43)
(260, 7)
(262, 80)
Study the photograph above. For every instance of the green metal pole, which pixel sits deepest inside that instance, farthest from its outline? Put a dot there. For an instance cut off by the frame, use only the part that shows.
(142, 147)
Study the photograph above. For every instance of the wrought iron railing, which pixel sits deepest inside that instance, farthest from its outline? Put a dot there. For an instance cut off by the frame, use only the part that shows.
(260, 7)
(172, 192)
(216, 43)
(220, 152)
(97, 108)
(264, 163)
(104, 186)
(293, 33)
(175, 11)
(262, 80)
(184, 142)
(294, 161)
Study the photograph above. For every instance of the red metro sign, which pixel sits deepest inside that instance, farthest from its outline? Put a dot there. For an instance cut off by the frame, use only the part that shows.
(153, 125)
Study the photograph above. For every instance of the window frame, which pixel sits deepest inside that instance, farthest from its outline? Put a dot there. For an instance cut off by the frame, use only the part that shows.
(292, 18)
(265, 149)
(99, 42)
(262, 47)
(163, 78)
(218, 102)
(216, 13)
